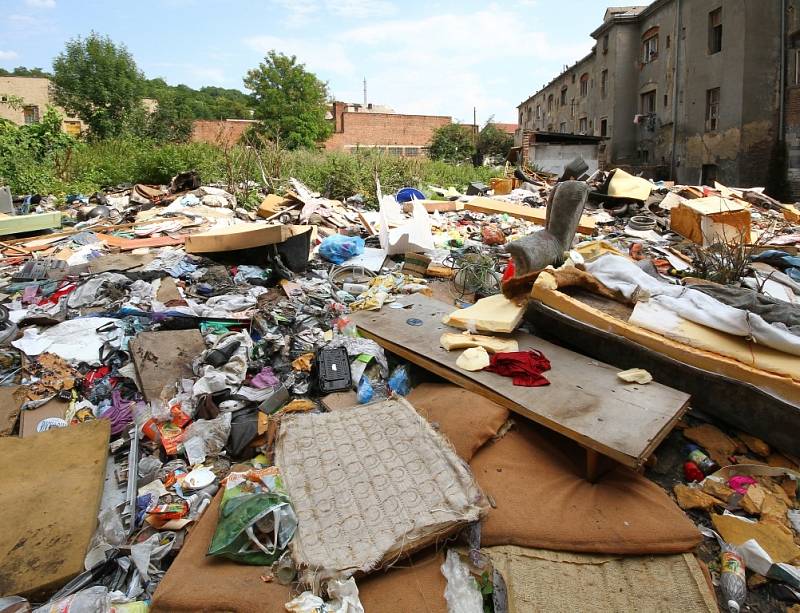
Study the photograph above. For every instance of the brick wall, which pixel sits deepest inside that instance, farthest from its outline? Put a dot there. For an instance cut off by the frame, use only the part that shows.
(371, 129)
(224, 132)
(793, 138)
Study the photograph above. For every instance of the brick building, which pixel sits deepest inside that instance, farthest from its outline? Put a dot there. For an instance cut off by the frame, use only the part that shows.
(683, 89)
(358, 127)
(224, 132)
(35, 95)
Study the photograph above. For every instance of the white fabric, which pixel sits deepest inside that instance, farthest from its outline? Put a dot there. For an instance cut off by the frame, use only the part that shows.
(619, 273)
(76, 340)
(230, 375)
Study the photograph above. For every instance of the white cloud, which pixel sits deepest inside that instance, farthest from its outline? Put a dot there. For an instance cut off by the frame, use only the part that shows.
(209, 75)
(41, 4)
(6, 56)
(297, 12)
(360, 9)
(320, 56)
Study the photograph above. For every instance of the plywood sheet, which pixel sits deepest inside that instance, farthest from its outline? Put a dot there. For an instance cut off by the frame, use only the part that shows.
(14, 224)
(50, 490)
(241, 236)
(162, 358)
(585, 400)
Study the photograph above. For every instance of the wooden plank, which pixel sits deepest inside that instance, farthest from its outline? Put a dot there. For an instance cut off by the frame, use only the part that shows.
(162, 358)
(534, 215)
(585, 401)
(16, 224)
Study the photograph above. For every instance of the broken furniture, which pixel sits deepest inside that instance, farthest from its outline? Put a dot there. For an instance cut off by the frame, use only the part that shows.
(50, 490)
(585, 401)
(710, 220)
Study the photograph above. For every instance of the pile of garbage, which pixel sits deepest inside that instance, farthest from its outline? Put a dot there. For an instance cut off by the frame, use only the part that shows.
(212, 351)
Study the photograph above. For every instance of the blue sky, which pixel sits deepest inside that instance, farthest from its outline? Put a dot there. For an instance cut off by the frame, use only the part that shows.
(418, 56)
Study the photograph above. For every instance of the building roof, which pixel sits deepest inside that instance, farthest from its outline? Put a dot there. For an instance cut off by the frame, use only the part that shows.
(509, 128)
(614, 11)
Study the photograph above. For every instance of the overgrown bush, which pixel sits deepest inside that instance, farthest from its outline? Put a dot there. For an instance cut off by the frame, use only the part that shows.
(87, 167)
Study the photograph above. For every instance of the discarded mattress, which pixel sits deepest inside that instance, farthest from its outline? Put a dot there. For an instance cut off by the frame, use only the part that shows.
(542, 580)
(369, 485)
(50, 489)
(542, 499)
(196, 582)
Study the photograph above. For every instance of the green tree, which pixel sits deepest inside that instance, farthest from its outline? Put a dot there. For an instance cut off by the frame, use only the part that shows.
(290, 102)
(98, 81)
(492, 141)
(452, 143)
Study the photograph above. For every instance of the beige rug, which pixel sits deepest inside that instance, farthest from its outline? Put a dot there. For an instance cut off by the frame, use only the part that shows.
(370, 484)
(553, 581)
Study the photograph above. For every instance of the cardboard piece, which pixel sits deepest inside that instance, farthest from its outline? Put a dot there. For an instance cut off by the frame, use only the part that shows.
(11, 399)
(714, 219)
(241, 236)
(272, 204)
(119, 262)
(165, 357)
(534, 215)
(492, 344)
(50, 490)
(775, 539)
(129, 244)
(30, 418)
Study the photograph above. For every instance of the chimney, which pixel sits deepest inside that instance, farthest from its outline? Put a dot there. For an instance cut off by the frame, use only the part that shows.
(338, 119)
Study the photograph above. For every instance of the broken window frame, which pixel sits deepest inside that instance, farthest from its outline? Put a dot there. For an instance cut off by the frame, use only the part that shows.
(550, 103)
(605, 44)
(604, 126)
(30, 114)
(604, 83)
(650, 48)
(715, 31)
(562, 128)
(712, 109)
(562, 100)
(583, 125)
(648, 102)
(584, 89)
(796, 66)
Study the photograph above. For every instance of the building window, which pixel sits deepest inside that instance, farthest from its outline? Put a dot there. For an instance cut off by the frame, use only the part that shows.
(584, 84)
(563, 99)
(395, 151)
(712, 109)
(550, 103)
(604, 127)
(573, 78)
(605, 44)
(650, 48)
(604, 83)
(412, 151)
(715, 31)
(583, 125)
(563, 127)
(649, 103)
(572, 106)
(31, 114)
(797, 66)
(666, 100)
(538, 112)
(644, 155)
(668, 41)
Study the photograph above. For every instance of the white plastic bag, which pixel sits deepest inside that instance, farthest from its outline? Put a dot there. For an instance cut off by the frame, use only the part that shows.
(462, 593)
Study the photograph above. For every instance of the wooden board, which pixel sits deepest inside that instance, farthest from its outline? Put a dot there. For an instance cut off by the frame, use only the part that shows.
(241, 236)
(537, 216)
(585, 400)
(162, 358)
(50, 490)
(16, 224)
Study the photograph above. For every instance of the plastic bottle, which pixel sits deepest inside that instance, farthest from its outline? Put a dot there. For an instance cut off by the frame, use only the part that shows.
(732, 581)
(703, 462)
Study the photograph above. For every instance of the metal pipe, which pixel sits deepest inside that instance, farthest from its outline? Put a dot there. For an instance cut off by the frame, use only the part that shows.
(781, 103)
(675, 91)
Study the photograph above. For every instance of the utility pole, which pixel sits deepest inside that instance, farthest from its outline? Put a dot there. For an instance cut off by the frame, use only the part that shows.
(365, 93)
(475, 123)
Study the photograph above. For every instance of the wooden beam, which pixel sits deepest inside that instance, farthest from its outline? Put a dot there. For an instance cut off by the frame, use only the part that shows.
(534, 215)
(29, 223)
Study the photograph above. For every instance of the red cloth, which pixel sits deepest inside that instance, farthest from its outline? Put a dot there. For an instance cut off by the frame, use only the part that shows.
(526, 367)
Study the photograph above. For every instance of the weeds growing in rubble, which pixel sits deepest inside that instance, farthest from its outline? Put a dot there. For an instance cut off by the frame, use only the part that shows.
(85, 167)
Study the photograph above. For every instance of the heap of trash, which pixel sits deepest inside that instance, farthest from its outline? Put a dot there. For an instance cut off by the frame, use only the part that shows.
(447, 400)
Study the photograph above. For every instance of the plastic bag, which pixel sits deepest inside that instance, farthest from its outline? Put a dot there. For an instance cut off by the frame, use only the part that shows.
(339, 248)
(365, 391)
(212, 433)
(256, 518)
(462, 593)
(399, 381)
(91, 600)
